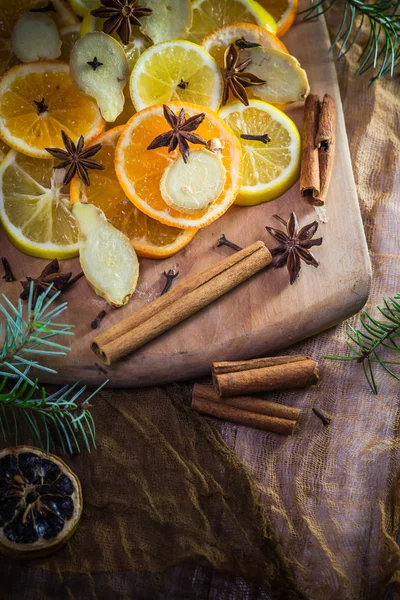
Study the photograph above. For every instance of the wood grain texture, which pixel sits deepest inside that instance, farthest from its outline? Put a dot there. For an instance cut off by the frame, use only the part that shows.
(260, 317)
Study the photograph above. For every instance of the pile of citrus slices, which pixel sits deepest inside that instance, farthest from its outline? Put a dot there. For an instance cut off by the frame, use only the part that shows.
(161, 115)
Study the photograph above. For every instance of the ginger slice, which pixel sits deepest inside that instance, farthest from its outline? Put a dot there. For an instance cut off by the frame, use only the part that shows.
(99, 68)
(107, 258)
(35, 37)
(194, 186)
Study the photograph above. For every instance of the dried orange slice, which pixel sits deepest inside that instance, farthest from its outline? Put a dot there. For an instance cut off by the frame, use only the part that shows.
(148, 237)
(283, 11)
(140, 170)
(37, 101)
(40, 502)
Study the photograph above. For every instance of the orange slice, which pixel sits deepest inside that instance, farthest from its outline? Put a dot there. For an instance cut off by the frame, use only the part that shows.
(283, 11)
(3, 150)
(148, 237)
(217, 41)
(29, 128)
(140, 170)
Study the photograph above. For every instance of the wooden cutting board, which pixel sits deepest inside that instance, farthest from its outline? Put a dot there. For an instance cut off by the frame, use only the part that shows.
(262, 316)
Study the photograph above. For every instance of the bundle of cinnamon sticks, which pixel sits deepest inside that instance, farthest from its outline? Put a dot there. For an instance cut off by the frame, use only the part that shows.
(233, 381)
(318, 148)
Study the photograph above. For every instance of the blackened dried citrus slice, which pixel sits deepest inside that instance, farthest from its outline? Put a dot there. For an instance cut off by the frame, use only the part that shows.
(40, 502)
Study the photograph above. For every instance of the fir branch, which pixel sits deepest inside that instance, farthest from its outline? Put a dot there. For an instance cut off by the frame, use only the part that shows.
(375, 338)
(381, 51)
(50, 419)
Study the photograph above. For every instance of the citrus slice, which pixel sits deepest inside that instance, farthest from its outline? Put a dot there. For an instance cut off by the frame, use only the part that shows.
(69, 35)
(35, 209)
(140, 170)
(283, 11)
(211, 14)
(4, 149)
(37, 101)
(269, 168)
(148, 237)
(128, 111)
(10, 12)
(83, 7)
(137, 44)
(7, 57)
(180, 71)
(40, 502)
(217, 41)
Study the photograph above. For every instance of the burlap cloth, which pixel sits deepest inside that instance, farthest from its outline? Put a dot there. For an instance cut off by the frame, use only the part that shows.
(168, 506)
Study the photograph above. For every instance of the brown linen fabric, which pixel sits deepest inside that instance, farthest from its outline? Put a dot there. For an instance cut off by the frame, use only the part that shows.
(331, 493)
(161, 488)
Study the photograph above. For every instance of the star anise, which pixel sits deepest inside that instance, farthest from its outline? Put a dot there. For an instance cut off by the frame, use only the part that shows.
(294, 245)
(50, 275)
(120, 15)
(180, 134)
(235, 78)
(76, 158)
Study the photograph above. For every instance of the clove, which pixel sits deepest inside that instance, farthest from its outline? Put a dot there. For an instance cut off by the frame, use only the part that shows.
(8, 274)
(96, 322)
(242, 44)
(256, 138)
(170, 277)
(183, 84)
(223, 241)
(322, 416)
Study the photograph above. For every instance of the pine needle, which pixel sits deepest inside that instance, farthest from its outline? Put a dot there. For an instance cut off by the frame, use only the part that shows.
(374, 343)
(27, 409)
(381, 51)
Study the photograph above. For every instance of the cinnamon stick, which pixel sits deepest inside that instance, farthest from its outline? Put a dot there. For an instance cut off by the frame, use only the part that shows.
(325, 142)
(309, 174)
(264, 374)
(255, 405)
(178, 304)
(203, 401)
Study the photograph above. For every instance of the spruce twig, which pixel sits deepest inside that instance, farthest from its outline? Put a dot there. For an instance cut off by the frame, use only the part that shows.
(50, 419)
(381, 51)
(376, 341)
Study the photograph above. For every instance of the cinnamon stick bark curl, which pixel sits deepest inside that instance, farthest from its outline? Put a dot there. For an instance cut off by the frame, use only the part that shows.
(203, 401)
(180, 303)
(267, 374)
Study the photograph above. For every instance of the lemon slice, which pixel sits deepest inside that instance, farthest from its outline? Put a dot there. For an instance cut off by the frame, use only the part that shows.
(210, 14)
(176, 71)
(35, 208)
(82, 7)
(269, 169)
(285, 80)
